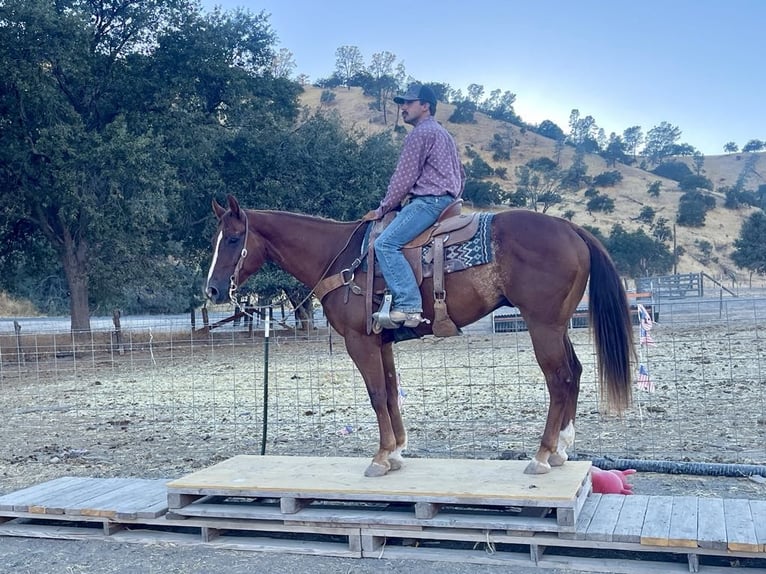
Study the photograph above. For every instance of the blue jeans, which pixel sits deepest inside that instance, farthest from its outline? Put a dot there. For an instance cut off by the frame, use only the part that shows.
(414, 218)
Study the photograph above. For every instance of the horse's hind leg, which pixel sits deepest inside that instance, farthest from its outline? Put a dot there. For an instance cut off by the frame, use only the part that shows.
(567, 430)
(394, 412)
(562, 370)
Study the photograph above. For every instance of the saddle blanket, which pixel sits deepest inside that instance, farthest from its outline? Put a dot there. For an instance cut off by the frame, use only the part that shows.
(475, 251)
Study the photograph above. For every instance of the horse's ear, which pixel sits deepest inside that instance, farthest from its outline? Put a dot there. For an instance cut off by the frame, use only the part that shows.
(218, 209)
(233, 205)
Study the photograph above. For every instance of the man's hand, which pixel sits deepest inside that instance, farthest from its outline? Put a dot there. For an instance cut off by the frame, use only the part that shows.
(371, 215)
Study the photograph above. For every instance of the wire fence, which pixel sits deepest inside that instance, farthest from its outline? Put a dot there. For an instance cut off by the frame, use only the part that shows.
(166, 396)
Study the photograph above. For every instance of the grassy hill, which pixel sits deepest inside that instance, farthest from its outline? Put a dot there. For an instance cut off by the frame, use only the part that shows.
(722, 226)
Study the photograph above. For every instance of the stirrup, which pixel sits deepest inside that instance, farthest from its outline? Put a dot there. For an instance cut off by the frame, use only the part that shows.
(382, 317)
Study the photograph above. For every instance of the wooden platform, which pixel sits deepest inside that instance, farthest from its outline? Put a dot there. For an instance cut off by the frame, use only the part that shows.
(426, 485)
(475, 512)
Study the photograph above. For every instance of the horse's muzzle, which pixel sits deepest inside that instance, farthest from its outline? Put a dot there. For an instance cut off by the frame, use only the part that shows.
(216, 295)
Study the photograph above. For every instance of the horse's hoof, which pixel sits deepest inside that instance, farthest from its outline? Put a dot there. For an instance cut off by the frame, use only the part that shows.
(558, 459)
(376, 469)
(537, 467)
(395, 463)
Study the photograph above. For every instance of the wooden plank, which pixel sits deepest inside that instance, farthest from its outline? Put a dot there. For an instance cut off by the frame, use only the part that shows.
(105, 493)
(683, 522)
(90, 488)
(53, 531)
(375, 517)
(50, 502)
(657, 521)
(151, 495)
(583, 519)
(605, 519)
(711, 524)
(22, 498)
(740, 530)
(151, 511)
(758, 511)
(631, 519)
(448, 481)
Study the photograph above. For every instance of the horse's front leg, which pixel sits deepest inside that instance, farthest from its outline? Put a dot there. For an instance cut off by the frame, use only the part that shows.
(366, 353)
(392, 392)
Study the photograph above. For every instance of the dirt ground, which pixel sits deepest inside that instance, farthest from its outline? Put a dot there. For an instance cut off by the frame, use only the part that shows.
(165, 408)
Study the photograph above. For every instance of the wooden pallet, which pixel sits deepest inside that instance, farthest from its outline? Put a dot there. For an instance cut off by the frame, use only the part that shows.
(685, 526)
(431, 490)
(328, 515)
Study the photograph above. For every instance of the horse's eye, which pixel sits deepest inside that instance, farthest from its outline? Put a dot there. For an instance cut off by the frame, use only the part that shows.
(233, 240)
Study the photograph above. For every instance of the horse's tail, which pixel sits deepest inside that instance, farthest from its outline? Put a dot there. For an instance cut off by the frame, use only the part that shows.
(613, 332)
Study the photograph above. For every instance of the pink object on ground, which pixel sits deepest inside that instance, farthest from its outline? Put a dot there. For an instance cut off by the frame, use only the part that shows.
(611, 481)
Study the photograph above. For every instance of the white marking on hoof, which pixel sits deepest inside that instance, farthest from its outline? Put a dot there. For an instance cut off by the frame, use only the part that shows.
(567, 436)
(376, 469)
(396, 460)
(537, 467)
(566, 439)
(558, 458)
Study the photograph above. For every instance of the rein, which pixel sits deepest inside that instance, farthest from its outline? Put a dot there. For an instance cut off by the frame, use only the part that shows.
(234, 279)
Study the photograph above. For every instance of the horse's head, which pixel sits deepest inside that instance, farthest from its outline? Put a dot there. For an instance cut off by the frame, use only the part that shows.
(232, 261)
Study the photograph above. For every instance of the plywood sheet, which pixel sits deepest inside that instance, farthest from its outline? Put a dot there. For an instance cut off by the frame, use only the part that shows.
(453, 481)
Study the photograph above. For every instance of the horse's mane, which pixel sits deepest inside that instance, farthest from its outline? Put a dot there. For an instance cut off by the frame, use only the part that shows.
(303, 216)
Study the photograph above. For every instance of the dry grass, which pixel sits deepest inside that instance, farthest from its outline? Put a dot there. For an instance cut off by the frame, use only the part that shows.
(10, 307)
(722, 225)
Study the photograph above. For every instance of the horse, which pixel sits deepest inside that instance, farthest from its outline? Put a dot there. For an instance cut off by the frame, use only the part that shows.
(541, 265)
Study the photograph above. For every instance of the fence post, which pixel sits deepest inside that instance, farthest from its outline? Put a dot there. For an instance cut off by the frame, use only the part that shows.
(19, 350)
(117, 331)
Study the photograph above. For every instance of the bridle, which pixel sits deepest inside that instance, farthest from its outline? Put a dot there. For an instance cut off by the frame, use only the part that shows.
(234, 279)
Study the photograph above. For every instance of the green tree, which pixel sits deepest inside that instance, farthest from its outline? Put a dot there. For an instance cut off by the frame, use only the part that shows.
(107, 130)
(661, 141)
(692, 182)
(646, 215)
(539, 182)
(463, 112)
(348, 63)
(475, 93)
(577, 174)
(731, 147)
(583, 132)
(635, 254)
(384, 82)
(633, 137)
(614, 151)
(661, 230)
(283, 64)
(693, 207)
(499, 106)
(549, 129)
(600, 202)
(754, 145)
(750, 246)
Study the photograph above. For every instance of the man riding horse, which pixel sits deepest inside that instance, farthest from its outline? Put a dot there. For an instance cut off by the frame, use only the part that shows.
(427, 179)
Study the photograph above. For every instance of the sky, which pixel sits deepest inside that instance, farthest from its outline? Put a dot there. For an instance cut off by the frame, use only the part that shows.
(699, 65)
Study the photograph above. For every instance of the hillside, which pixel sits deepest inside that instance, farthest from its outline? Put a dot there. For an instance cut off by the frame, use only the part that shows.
(722, 226)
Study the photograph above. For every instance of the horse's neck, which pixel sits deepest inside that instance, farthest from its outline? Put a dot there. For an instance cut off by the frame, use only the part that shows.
(300, 245)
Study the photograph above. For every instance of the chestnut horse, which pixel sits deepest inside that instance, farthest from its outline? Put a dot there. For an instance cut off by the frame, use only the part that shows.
(541, 265)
